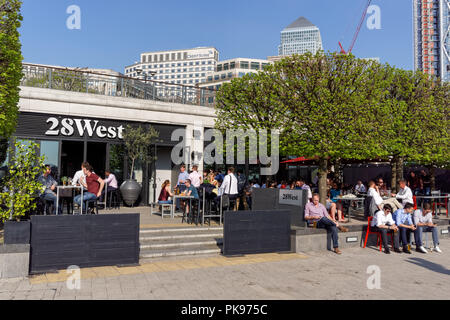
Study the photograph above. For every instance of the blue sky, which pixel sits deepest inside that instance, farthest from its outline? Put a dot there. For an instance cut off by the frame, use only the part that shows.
(114, 32)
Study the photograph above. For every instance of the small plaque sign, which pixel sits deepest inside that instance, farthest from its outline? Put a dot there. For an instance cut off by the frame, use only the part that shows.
(290, 197)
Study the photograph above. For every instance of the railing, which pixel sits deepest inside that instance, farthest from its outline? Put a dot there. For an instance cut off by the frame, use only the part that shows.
(78, 80)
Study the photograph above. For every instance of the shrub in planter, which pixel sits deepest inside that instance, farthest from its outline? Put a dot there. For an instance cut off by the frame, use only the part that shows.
(138, 142)
(20, 190)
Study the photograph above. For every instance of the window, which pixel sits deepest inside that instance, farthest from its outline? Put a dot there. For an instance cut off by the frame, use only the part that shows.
(144, 59)
(178, 64)
(173, 56)
(184, 81)
(149, 58)
(223, 76)
(203, 62)
(226, 66)
(203, 74)
(230, 74)
(241, 74)
(191, 63)
(232, 65)
(167, 56)
(210, 78)
(196, 75)
(190, 76)
(219, 67)
(155, 58)
(255, 65)
(244, 65)
(197, 69)
(161, 57)
(184, 70)
(50, 150)
(216, 77)
(197, 63)
(179, 56)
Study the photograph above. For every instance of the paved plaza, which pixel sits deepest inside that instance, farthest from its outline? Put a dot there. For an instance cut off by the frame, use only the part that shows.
(319, 275)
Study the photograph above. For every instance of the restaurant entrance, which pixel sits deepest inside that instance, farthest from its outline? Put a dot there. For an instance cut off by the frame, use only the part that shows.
(96, 156)
(72, 155)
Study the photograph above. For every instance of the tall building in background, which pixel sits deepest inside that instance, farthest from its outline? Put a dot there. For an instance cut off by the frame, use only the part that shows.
(300, 37)
(187, 66)
(432, 37)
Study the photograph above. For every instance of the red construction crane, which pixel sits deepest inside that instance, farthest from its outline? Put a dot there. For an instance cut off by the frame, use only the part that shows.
(357, 30)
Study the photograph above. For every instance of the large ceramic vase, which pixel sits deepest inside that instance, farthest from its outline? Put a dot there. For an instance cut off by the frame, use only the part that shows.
(130, 191)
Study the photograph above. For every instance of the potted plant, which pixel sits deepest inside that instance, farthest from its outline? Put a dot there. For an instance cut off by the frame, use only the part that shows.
(138, 142)
(64, 180)
(20, 190)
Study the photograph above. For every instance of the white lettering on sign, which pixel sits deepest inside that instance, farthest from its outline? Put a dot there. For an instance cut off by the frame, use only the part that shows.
(68, 127)
(290, 197)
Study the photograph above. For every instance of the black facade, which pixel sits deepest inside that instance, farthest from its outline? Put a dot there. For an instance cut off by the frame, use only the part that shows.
(67, 141)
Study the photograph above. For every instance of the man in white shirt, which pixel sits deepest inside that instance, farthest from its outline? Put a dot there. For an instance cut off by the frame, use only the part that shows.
(79, 176)
(382, 222)
(405, 194)
(424, 223)
(377, 200)
(229, 185)
(195, 177)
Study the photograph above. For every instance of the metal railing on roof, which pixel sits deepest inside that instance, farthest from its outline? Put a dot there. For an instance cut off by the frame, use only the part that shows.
(79, 80)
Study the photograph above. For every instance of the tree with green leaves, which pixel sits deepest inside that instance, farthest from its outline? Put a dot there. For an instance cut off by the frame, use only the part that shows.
(10, 69)
(324, 105)
(138, 142)
(21, 185)
(415, 125)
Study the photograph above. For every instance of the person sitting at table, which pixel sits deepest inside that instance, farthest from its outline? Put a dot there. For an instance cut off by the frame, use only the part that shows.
(382, 222)
(360, 188)
(423, 219)
(381, 187)
(111, 184)
(378, 202)
(79, 175)
(403, 220)
(405, 194)
(316, 212)
(190, 191)
(50, 185)
(335, 205)
(165, 193)
(94, 185)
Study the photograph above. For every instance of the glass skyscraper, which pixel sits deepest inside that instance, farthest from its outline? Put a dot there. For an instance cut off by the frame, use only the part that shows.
(432, 37)
(300, 37)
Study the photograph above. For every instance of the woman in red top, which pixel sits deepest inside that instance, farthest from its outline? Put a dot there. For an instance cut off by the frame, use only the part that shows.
(165, 193)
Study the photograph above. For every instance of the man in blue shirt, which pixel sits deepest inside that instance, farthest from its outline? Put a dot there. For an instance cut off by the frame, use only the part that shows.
(404, 222)
(50, 185)
(182, 177)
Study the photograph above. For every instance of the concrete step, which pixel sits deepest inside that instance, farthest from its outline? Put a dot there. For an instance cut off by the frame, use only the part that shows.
(172, 230)
(171, 245)
(179, 237)
(186, 251)
(180, 241)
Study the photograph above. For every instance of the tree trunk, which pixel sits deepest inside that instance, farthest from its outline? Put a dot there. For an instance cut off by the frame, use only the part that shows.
(394, 175)
(399, 169)
(433, 178)
(323, 166)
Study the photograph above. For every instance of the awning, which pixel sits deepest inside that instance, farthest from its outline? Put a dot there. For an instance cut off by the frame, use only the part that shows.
(300, 159)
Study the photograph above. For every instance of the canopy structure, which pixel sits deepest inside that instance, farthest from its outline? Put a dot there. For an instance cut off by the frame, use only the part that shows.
(297, 160)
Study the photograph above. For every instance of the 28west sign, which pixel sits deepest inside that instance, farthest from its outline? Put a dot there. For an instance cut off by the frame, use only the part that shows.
(69, 127)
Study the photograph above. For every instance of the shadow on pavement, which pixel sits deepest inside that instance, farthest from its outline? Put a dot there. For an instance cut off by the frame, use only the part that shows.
(429, 265)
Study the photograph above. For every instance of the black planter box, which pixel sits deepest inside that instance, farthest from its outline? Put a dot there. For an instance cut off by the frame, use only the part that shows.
(17, 232)
(247, 232)
(58, 242)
